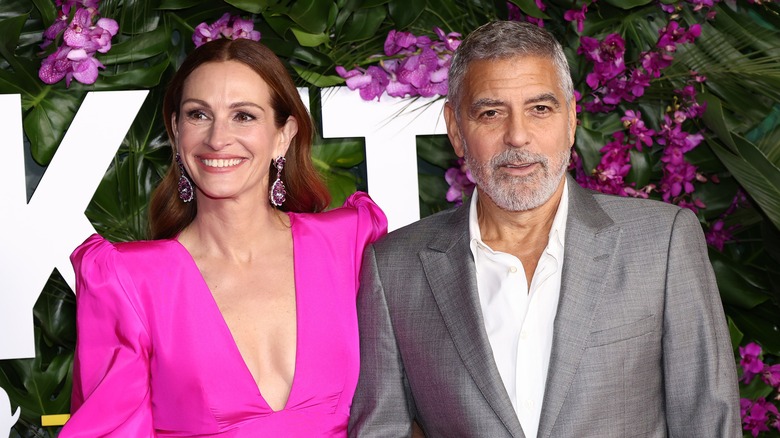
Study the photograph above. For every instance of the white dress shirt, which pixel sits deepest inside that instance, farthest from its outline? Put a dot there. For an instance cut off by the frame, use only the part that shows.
(519, 322)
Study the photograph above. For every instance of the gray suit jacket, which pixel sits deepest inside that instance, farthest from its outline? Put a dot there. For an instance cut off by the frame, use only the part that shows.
(640, 347)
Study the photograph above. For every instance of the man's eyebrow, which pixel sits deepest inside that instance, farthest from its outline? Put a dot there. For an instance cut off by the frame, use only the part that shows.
(544, 97)
(485, 102)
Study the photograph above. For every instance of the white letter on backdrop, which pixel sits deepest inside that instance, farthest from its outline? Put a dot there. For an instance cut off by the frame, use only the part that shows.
(390, 128)
(39, 236)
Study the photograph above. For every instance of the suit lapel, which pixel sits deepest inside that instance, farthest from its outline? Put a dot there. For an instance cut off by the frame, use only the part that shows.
(450, 271)
(591, 239)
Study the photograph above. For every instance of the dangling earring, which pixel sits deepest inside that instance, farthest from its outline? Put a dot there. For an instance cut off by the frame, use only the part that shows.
(278, 193)
(186, 193)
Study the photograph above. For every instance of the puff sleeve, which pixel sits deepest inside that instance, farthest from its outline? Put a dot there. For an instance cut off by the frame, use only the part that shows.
(111, 383)
(371, 223)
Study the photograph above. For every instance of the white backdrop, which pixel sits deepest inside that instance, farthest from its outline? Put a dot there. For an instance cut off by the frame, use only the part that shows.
(39, 236)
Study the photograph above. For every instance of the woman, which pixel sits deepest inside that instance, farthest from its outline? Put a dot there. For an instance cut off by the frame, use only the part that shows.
(239, 320)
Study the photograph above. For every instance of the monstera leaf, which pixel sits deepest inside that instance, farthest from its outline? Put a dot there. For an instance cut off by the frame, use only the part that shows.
(334, 160)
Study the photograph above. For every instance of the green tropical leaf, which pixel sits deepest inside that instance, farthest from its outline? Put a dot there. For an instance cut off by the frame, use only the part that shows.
(405, 12)
(344, 153)
(252, 6)
(588, 143)
(134, 17)
(737, 284)
(341, 184)
(363, 24)
(8, 83)
(47, 10)
(628, 4)
(136, 78)
(41, 385)
(766, 135)
(309, 39)
(9, 35)
(280, 24)
(312, 57)
(46, 123)
(759, 176)
(436, 149)
(717, 196)
(318, 79)
(334, 160)
(55, 312)
(759, 324)
(25, 71)
(734, 333)
(309, 14)
(179, 4)
(757, 388)
(433, 190)
(139, 47)
(641, 168)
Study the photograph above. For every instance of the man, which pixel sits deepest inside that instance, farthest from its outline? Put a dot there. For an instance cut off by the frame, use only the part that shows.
(539, 309)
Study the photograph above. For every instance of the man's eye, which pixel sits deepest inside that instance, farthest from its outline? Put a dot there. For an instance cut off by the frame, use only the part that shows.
(541, 108)
(490, 113)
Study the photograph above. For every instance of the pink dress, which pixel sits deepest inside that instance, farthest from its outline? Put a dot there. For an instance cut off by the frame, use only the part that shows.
(154, 356)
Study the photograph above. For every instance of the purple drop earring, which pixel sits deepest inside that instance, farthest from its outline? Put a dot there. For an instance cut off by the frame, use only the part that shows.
(278, 193)
(186, 193)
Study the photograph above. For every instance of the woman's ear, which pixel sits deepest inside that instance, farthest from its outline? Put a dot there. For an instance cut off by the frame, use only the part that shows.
(174, 128)
(286, 135)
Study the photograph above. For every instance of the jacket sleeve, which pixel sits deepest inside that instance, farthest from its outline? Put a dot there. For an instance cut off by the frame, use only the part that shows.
(702, 397)
(111, 386)
(382, 404)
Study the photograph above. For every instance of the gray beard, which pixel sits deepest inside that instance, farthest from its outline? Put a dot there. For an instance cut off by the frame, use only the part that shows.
(518, 193)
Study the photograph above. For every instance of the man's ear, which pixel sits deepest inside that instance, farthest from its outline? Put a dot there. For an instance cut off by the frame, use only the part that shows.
(453, 131)
(286, 135)
(572, 108)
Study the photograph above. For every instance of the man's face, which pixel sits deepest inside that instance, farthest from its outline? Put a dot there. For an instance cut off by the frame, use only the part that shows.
(515, 131)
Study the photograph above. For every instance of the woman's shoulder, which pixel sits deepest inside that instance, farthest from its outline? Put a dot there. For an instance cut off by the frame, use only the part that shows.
(359, 212)
(98, 251)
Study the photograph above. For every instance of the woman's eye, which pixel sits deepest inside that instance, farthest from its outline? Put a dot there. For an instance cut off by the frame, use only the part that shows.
(196, 115)
(244, 117)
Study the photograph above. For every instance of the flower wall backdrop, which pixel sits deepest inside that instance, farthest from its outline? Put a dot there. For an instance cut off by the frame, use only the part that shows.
(678, 100)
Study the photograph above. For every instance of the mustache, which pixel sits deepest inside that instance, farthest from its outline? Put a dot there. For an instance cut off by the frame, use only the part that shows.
(518, 156)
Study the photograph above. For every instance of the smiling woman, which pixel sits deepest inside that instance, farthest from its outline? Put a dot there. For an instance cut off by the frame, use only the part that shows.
(259, 303)
(306, 190)
(226, 134)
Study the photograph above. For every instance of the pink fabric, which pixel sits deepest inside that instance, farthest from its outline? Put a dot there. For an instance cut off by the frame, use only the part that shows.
(155, 357)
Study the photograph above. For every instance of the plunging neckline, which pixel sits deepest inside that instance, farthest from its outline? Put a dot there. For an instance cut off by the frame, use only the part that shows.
(232, 345)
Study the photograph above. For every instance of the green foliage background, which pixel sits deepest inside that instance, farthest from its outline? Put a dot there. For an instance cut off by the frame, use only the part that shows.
(738, 51)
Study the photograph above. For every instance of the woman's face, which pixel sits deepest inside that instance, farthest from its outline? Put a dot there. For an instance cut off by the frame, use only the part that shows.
(225, 131)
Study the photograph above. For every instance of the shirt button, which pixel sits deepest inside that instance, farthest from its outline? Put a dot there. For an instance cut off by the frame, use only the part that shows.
(528, 404)
(524, 335)
(513, 269)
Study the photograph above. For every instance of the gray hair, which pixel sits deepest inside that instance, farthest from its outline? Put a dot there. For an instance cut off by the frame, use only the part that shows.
(506, 39)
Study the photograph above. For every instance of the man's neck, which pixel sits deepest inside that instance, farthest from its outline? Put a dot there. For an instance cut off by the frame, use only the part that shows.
(523, 234)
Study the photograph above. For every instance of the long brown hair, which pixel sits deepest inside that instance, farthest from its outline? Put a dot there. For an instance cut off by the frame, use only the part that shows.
(306, 192)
